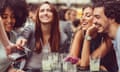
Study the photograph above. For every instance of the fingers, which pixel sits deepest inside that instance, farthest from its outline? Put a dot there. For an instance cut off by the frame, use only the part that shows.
(20, 43)
(73, 60)
(23, 42)
(93, 27)
(79, 62)
(10, 47)
(15, 70)
(92, 31)
(12, 69)
(0, 18)
(67, 58)
(8, 51)
(20, 70)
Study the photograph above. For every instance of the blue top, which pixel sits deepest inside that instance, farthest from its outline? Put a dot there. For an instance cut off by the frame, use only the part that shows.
(116, 43)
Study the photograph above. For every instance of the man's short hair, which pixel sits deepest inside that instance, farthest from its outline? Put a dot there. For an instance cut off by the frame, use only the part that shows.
(111, 9)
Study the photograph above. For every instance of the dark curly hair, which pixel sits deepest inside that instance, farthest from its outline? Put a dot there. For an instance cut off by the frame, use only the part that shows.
(111, 9)
(19, 8)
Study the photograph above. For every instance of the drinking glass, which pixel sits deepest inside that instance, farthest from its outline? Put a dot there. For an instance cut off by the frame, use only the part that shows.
(46, 62)
(66, 65)
(94, 63)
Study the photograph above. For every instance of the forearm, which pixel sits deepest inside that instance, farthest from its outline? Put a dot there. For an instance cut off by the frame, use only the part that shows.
(85, 53)
(76, 45)
(103, 49)
(27, 31)
(74, 51)
(24, 36)
(100, 52)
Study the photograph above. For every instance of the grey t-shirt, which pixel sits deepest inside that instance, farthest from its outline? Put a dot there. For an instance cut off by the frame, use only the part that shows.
(35, 59)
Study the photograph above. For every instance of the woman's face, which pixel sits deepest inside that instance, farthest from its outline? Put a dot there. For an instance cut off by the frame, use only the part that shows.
(32, 15)
(73, 15)
(45, 14)
(87, 18)
(8, 19)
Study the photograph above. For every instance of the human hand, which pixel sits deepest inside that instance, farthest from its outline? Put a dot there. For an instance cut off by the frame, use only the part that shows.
(12, 69)
(21, 43)
(71, 59)
(20, 70)
(92, 31)
(10, 47)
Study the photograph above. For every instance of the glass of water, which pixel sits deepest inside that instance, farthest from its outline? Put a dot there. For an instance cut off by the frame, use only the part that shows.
(67, 66)
(94, 63)
(46, 62)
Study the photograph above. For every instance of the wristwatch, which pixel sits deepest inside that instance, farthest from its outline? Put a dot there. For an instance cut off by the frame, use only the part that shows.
(87, 37)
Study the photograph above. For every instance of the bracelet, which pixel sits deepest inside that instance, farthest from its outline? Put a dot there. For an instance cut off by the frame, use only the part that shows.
(83, 68)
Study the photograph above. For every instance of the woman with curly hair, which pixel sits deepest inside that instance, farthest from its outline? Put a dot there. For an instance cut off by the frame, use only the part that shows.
(13, 14)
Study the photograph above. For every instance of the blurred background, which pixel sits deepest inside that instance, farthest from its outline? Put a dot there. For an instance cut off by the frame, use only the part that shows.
(69, 2)
(76, 4)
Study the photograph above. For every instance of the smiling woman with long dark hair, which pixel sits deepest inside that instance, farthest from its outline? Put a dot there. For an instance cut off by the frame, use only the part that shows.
(44, 36)
(47, 24)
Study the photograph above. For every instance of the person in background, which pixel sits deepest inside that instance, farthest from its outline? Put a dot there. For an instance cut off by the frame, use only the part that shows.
(68, 24)
(71, 16)
(32, 11)
(32, 8)
(42, 37)
(65, 26)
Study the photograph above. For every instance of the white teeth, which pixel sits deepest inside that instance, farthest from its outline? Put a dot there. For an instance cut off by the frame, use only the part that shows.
(10, 25)
(84, 23)
(45, 18)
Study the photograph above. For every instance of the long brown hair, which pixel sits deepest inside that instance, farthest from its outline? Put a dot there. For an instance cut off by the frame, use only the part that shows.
(54, 39)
